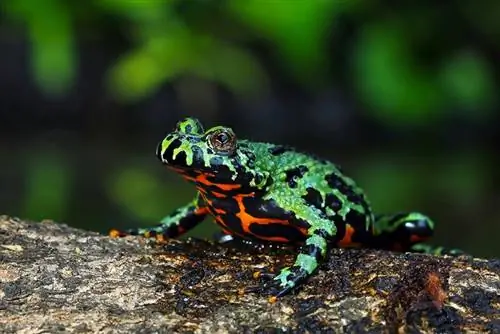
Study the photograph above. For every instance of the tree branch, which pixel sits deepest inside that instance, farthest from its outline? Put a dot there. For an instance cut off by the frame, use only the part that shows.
(56, 278)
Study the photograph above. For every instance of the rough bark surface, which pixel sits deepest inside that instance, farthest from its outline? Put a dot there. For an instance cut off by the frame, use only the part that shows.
(54, 278)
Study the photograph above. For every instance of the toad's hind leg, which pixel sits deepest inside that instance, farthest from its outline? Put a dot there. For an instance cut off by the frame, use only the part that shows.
(406, 232)
(436, 250)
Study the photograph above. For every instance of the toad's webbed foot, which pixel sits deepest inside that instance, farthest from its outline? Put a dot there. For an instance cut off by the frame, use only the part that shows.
(276, 286)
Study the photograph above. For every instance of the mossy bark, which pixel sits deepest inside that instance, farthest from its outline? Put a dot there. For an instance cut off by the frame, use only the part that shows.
(58, 279)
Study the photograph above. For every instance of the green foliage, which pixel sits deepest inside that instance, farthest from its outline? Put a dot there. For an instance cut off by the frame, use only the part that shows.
(48, 185)
(395, 181)
(298, 30)
(162, 58)
(50, 30)
(385, 64)
(389, 185)
(467, 79)
(143, 195)
(389, 78)
(462, 178)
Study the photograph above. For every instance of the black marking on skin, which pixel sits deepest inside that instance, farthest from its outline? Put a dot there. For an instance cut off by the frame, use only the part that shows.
(243, 149)
(227, 204)
(323, 233)
(188, 172)
(340, 224)
(299, 223)
(294, 174)
(280, 149)
(181, 158)
(169, 152)
(358, 224)
(401, 236)
(235, 161)
(216, 161)
(188, 128)
(260, 208)
(224, 175)
(231, 223)
(199, 129)
(396, 218)
(258, 178)
(250, 163)
(297, 276)
(364, 229)
(277, 230)
(210, 189)
(198, 157)
(313, 250)
(419, 227)
(332, 202)
(314, 198)
(335, 181)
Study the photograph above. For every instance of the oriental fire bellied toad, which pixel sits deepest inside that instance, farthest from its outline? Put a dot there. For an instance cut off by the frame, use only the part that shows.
(274, 193)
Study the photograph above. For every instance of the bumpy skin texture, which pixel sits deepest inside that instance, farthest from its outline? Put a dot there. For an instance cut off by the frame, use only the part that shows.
(267, 192)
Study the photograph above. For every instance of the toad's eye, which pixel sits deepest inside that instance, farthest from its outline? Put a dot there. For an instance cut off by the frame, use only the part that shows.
(223, 141)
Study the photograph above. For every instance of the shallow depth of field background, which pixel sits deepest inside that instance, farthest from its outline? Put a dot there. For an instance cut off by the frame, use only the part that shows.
(404, 97)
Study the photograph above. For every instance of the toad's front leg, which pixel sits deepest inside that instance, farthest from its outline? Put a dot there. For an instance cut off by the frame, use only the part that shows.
(174, 225)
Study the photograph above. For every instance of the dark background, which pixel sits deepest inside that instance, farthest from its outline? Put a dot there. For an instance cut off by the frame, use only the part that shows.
(404, 97)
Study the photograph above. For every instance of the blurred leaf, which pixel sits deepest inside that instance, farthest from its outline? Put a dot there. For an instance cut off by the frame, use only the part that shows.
(135, 189)
(391, 83)
(47, 186)
(232, 67)
(468, 79)
(299, 30)
(391, 187)
(462, 177)
(52, 40)
(139, 11)
(484, 20)
(175, 51)
(139, 73)
(141, 193)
